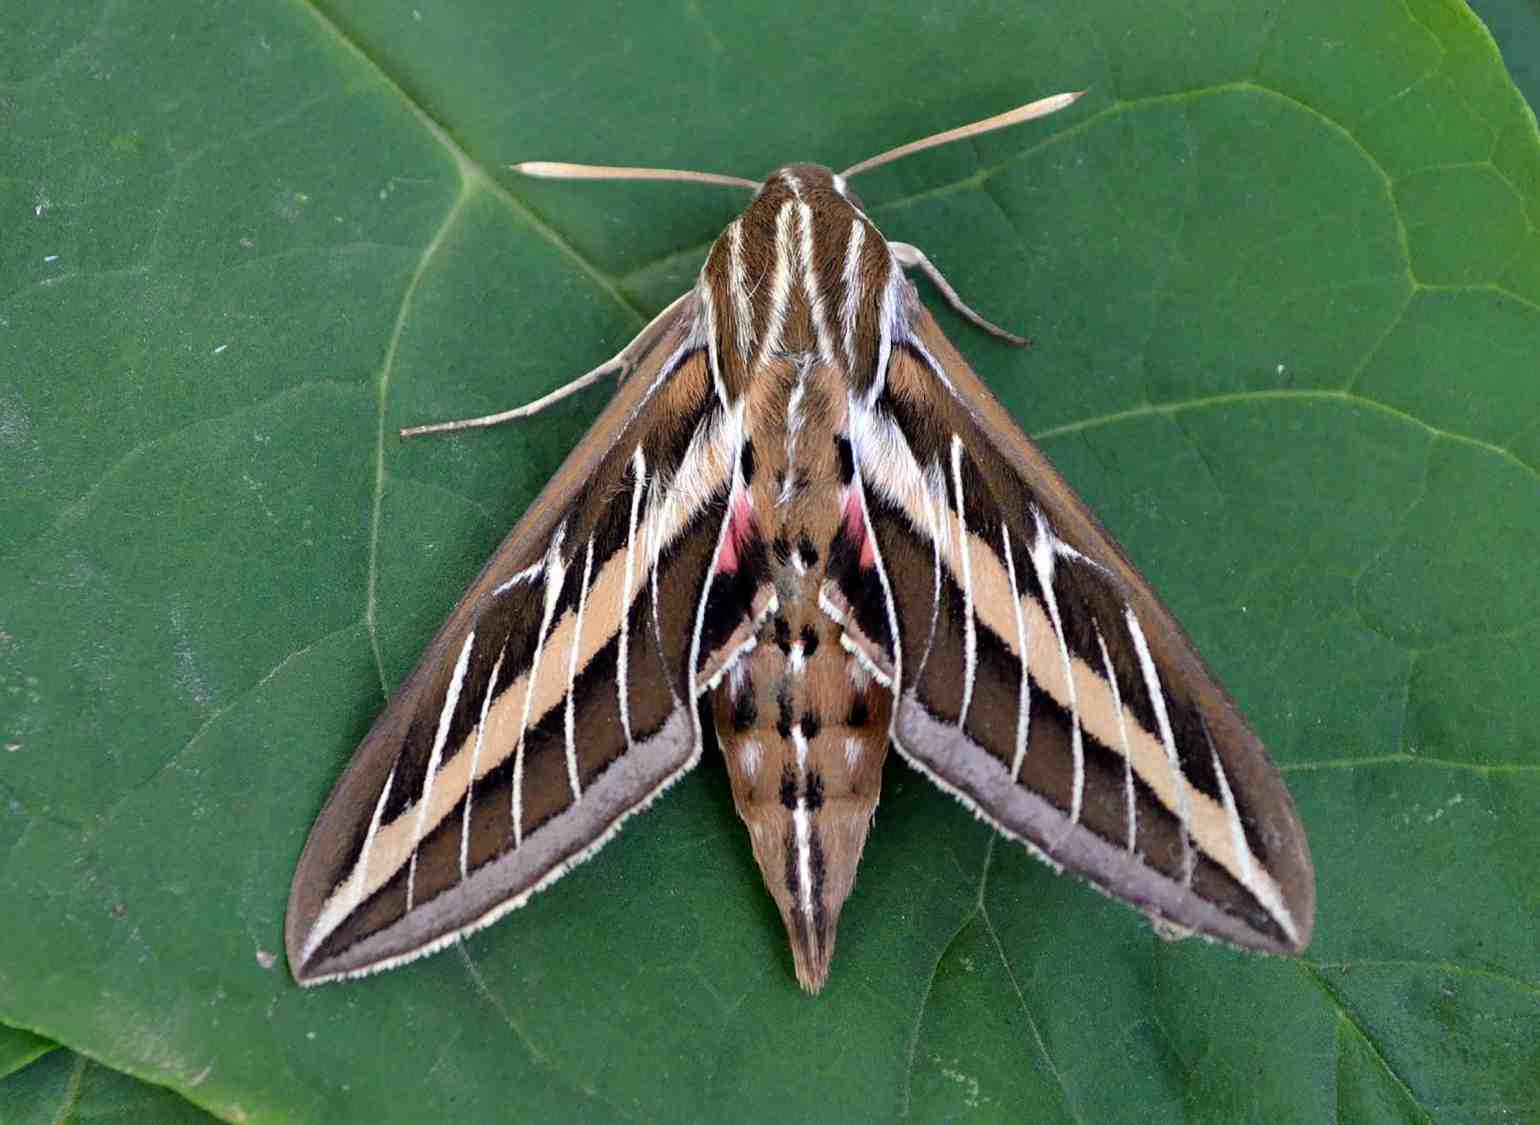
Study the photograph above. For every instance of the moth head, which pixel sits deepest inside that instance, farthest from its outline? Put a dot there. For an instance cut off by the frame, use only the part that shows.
(808, 181)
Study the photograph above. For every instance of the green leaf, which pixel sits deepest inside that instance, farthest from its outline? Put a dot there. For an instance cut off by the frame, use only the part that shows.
(1282, 268)
(1515, 25)
(18, 1048)
(65, 1088)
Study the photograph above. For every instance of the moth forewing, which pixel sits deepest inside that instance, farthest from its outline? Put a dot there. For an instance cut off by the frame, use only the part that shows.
(399, 747)
(805, 518)
(1135, 769)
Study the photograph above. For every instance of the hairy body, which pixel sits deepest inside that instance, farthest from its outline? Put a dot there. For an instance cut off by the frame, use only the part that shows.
(802, 719)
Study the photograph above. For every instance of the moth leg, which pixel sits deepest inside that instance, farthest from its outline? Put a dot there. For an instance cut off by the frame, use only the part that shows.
(910, 256)
(620, 363)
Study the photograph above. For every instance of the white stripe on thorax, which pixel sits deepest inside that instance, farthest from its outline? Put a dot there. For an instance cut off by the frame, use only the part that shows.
(738, 291)
(780, 283)
(440, 736)
(810, 285)
(852, 280)
(888, 329)
(793, 428)
(714, 358)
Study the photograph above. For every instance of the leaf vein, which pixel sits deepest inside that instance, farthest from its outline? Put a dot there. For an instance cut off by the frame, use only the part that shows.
(1362, 1032)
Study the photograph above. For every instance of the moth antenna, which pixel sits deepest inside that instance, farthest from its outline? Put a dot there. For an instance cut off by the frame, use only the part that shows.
(618, 364)
(555, 170)
(529, 409)
(1040, 108)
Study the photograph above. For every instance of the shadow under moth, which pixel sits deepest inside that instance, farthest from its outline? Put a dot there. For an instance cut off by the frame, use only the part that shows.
(804, 524)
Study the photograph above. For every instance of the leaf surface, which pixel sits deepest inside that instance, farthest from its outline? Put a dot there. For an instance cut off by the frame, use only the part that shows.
(1282, 268)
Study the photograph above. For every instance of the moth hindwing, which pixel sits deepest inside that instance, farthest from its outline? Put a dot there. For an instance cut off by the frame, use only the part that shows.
(805, 523)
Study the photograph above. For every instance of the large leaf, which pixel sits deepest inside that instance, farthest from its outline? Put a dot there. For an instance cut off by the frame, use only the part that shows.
(19, 1049)
(1515, 24)
(65, 1088)
(1282, 268)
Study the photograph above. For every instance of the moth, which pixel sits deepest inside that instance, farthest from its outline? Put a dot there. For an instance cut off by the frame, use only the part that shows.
(804, 526)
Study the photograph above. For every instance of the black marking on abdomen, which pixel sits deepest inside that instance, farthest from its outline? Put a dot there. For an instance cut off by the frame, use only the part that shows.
(788, 788)
(793, 878)
(745, 711)
(814, 791)
(817, 870)
(783, 702)
(806, 549)
(782, 634)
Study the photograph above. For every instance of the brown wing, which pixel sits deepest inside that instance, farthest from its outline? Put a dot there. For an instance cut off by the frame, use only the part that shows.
(1046, 687)
(554, 702)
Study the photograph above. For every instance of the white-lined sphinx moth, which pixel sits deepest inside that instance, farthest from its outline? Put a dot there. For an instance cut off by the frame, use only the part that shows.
(805, 525)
